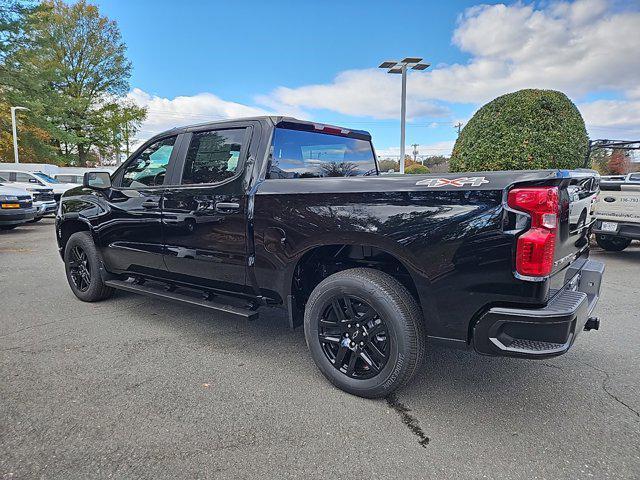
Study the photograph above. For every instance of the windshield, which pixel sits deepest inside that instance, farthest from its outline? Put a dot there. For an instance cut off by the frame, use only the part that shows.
(302, 154)
(2, 179)
(46, 177)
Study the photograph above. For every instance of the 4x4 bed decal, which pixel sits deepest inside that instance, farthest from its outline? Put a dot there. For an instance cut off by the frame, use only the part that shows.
(457, 182)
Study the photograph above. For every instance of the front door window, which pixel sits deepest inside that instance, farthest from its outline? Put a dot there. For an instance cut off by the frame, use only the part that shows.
(149, 168)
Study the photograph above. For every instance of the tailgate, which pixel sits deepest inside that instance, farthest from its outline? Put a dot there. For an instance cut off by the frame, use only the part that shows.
(570, 218)
(577, 198)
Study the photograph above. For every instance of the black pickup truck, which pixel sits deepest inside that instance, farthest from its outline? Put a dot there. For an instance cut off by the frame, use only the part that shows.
(274, 211)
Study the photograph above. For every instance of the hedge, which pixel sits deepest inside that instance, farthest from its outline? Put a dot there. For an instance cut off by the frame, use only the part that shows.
(525, 130)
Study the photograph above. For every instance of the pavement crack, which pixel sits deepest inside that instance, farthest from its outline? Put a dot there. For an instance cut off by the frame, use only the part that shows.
(550, 365)
(409, 420)
(606, 390)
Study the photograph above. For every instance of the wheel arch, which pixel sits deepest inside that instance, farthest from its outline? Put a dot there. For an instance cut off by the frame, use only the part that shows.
(68, 227)
(318, 262)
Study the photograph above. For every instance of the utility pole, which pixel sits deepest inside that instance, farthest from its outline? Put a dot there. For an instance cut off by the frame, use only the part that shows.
(458, 126)
(401, 68)
(15, 131)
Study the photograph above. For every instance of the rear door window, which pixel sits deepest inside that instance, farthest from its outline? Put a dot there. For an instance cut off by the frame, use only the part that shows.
(303, 154)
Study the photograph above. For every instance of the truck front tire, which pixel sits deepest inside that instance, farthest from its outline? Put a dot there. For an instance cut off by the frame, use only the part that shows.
(611, 243)
(82, 266)
(365, 332)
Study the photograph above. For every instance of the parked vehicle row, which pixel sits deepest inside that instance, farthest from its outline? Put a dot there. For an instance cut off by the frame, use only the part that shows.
(274, 211)
(30, 179)
(44, 191)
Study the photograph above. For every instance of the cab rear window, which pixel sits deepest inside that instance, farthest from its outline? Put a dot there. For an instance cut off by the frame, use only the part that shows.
(303, 154)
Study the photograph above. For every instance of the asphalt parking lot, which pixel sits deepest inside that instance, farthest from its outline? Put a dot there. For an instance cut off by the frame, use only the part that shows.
(133, 387)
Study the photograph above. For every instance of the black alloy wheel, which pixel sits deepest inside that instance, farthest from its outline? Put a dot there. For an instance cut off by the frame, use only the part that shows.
(82, 264)
(353, 337)
(79, 268)
(364, 331)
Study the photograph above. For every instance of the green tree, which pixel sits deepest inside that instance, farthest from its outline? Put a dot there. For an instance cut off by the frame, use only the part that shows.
(525, 130)
(24, 80)
(435, 160)
(415, 169)
(71, 71)
(120, 123)
(386, 165)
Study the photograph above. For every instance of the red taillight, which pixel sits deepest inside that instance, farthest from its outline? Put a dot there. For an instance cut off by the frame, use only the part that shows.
(535, 247)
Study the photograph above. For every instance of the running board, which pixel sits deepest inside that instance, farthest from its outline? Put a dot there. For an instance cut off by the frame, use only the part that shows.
(176, 295)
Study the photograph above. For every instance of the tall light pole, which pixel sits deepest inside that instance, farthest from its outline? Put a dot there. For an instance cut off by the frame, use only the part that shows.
(15, 133)
(401, 67)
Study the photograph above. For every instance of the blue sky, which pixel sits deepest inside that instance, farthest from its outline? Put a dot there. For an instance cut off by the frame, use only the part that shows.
(197, 60)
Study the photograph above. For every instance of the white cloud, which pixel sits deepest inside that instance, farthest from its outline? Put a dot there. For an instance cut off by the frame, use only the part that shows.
(355, 92)
(577, 47)
(574, 47)
(165, 113)
(618, 119)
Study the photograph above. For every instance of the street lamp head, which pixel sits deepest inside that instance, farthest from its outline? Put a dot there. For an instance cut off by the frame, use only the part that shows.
(410, 62)
(19, 108)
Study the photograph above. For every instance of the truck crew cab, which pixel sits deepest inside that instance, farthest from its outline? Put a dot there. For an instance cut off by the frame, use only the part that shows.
(274, 211)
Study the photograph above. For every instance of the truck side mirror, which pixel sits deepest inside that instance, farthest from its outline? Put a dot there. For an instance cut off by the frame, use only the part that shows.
(98, 180)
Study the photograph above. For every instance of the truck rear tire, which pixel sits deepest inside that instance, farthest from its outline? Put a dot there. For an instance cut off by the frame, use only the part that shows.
(82, 266)
(365, 332)
(611, 243)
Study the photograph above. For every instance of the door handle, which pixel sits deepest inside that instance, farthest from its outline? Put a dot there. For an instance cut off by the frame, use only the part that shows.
(150, 204)
(225, 207)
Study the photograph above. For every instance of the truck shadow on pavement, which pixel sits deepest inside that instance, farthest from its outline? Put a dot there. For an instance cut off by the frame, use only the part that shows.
(448, 377)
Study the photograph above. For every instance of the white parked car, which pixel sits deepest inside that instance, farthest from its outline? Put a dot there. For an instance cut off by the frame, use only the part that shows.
(42, 197)
(617, 213)
(16, 207)
(37, 178)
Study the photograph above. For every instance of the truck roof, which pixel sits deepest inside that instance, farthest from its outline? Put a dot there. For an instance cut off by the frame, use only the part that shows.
(272, 120)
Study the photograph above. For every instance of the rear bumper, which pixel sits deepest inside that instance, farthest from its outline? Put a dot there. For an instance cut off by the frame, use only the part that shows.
(625, 229)
(543, 332)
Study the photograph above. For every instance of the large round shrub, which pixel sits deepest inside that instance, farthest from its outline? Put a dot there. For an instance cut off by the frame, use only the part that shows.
(523, 130)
